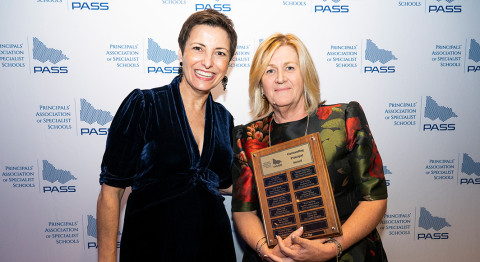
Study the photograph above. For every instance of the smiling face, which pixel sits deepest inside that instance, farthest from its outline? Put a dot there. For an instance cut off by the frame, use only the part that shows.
(282, 81)
(205, 58)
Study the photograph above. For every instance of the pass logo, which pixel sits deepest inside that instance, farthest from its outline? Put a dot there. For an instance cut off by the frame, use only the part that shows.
(45, 54)
(446, 7)
(375, 54)
(90, 6)
(329, 8)
(55, 175)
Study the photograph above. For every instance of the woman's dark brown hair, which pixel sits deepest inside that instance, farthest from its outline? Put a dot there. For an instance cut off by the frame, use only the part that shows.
(209, 17)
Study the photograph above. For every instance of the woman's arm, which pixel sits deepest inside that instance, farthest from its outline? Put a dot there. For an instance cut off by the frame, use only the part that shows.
(225, 191)
(250, 228)
(108, 215)
(363, 220)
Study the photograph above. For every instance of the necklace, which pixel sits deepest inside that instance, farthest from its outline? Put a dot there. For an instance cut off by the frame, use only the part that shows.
(270, 128)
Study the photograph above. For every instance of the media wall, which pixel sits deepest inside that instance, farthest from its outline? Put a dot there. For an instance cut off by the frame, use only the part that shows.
(65, 67)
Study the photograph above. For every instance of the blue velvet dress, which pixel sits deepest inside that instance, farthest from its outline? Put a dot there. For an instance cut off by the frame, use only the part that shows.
(175, 212)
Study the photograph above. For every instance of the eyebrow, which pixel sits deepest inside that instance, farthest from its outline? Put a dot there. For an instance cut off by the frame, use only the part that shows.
(202, 44)
(286, 63)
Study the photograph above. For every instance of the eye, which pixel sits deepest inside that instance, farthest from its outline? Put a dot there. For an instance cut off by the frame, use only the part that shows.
(290, 68)
(197, 48)
(269, 71)
(221, 53)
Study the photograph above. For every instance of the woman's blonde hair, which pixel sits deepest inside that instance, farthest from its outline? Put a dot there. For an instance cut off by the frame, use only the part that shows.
(263, 55)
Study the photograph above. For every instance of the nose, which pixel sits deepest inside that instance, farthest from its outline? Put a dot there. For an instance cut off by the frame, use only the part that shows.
(280, 77)
(208, 60)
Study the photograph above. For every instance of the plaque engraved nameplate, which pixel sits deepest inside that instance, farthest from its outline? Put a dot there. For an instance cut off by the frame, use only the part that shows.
(294, 189)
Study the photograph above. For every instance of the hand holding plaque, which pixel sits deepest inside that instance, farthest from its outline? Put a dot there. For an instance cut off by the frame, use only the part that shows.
(294, 189)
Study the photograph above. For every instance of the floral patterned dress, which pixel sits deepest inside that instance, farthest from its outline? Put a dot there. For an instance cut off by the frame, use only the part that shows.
(354, 164)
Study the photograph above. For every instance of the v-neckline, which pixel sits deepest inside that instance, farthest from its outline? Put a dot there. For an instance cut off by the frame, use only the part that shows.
(190, 130)
(208, 128)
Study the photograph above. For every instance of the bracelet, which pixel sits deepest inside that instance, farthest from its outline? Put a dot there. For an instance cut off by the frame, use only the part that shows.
(256, 246)
(260, 248)
(339, 247)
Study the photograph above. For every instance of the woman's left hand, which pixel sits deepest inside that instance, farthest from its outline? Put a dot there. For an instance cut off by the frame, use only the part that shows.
(363, 220)
(276, 254)
(307, 250)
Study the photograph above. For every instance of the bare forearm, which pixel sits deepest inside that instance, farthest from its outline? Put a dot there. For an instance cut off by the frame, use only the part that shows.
(249, 227)
(108, 213)
(226, 191)
(362, 221)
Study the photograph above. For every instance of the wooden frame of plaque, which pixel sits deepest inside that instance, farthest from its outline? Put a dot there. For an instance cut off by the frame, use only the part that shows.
(294, 189)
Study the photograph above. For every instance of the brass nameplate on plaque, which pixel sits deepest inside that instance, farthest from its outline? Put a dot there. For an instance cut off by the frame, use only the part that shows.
(294, 189)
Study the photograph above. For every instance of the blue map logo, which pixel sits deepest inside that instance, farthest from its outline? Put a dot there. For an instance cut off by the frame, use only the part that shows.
(469, 166)
(91, 115)
(52, 174)
(448, 1)
(427, 221)
(434, 111)
(43, 54)
(474, 51)
(386, 171)
(157, 54)
(374, 54)
(92, 232)
(91, 226)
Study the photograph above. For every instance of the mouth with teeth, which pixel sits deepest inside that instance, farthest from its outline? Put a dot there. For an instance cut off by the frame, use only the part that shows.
(204, 75)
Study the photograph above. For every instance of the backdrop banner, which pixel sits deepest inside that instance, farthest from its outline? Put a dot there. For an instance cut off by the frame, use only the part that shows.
(66, 65)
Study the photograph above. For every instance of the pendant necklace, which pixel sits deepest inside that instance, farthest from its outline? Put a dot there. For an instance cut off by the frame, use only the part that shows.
(270, 128)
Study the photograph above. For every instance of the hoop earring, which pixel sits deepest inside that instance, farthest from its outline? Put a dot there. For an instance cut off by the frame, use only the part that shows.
(224, 82)
(180, 70)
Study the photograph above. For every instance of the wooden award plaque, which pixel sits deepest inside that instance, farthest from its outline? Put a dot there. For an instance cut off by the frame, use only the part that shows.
(294, 189)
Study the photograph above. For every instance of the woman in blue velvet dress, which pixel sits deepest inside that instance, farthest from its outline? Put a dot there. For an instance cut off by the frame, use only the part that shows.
(172, 145)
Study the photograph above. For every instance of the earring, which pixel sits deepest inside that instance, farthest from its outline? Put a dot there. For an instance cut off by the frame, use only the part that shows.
(224, 82)
(180, 70)
(261, 90)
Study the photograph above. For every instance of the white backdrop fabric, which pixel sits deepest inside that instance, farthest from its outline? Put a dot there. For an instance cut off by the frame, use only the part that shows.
(65, 67)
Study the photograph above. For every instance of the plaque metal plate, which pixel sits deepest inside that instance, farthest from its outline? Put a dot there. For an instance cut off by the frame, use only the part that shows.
(294, 189)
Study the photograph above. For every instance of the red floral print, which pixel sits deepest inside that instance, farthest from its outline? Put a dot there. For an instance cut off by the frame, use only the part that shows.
(259, 125)
(376, 165)
(253, 145)
(352, 126)
(324, 112)
(244, 187)
(250, 130)
(242, 158)
(258, 135)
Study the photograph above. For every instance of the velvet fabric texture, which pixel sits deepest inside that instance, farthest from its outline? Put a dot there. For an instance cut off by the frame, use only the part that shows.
(175, 212)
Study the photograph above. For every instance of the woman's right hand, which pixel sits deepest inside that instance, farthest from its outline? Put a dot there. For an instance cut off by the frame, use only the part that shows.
(275, 254)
